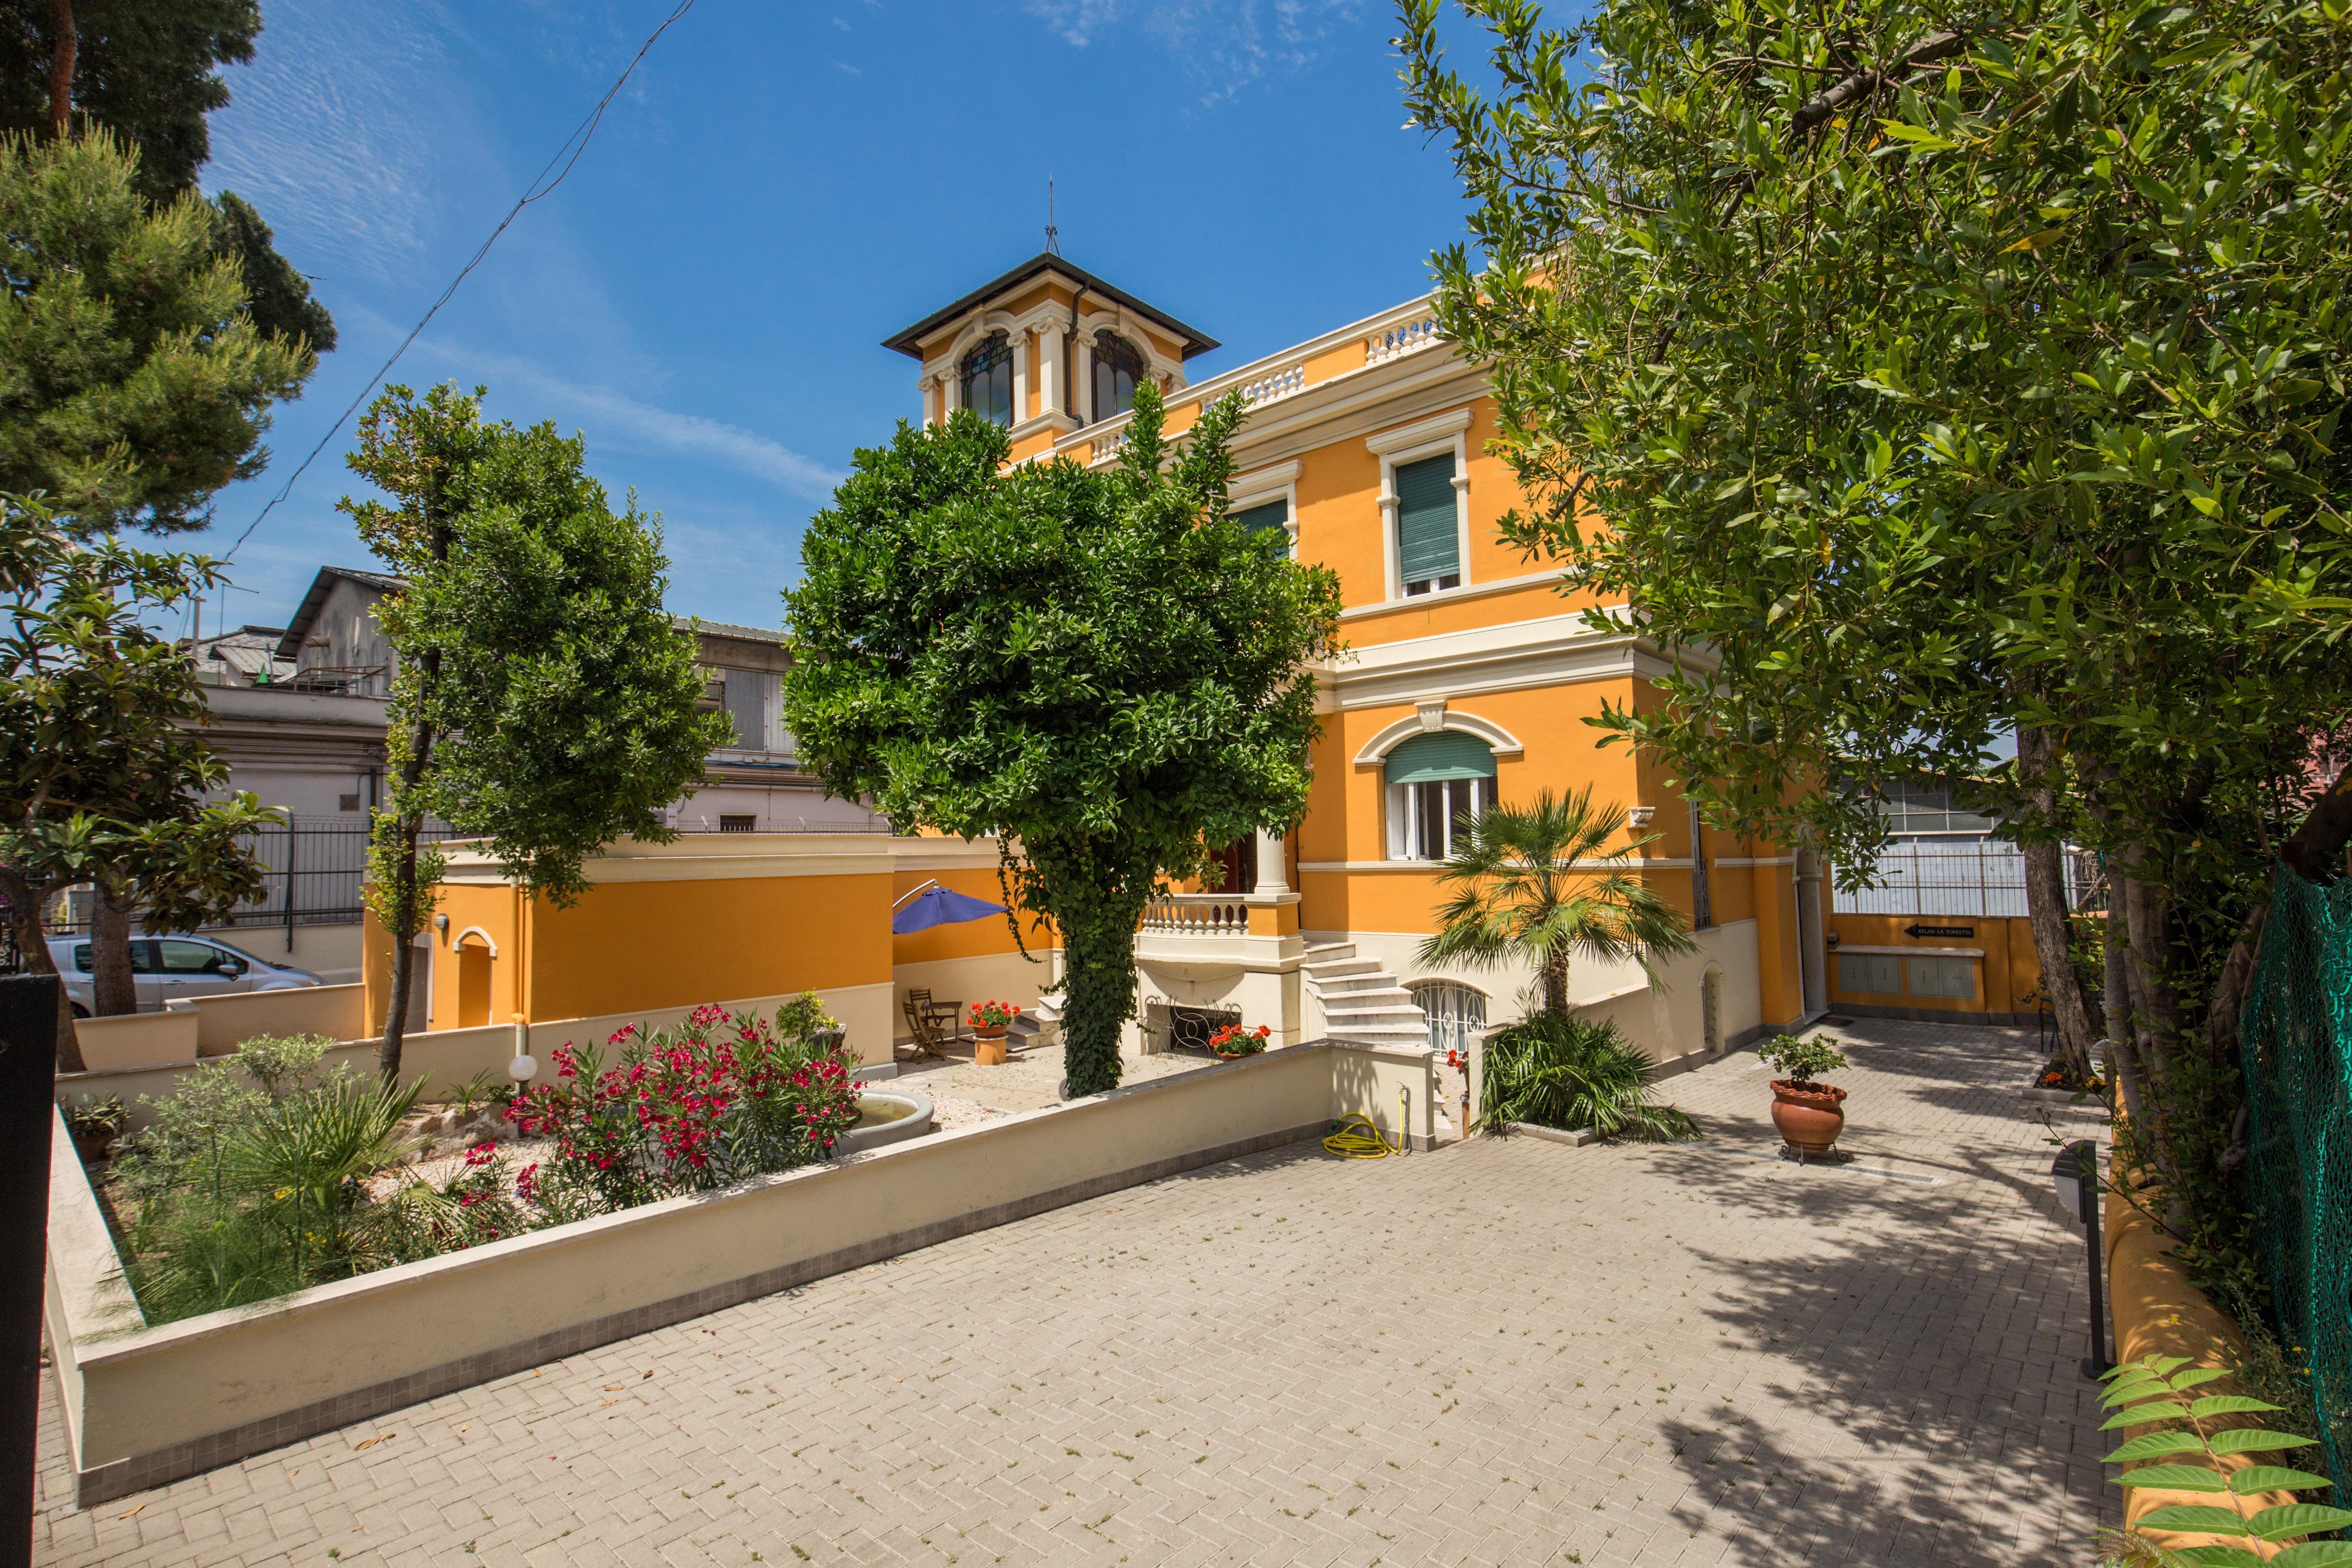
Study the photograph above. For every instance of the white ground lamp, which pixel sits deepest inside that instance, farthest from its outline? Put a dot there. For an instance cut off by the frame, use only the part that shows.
(525, 1067)
(2075, 1173)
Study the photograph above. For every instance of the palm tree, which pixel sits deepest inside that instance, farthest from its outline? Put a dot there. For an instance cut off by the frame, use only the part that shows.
(1542, 883)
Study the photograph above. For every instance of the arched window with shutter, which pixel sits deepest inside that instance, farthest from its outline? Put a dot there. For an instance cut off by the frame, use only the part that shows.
(1437, 784)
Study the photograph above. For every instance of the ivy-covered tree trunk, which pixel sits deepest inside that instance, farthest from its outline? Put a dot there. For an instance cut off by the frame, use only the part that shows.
(1099, 950)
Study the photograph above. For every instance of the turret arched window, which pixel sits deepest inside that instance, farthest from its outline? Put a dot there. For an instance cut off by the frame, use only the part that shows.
(1117, 367)
(988, 380)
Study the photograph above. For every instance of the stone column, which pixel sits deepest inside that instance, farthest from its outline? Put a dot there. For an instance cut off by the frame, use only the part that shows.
(1272, 863)
(1020, 345)
(1050, 399)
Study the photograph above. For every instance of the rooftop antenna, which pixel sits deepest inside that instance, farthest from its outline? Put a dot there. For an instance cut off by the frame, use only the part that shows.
(1052, 234)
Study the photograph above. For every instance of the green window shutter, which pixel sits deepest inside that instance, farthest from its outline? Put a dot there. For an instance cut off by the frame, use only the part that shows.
(1428, 538)
(1273, 514)
(1447, 754)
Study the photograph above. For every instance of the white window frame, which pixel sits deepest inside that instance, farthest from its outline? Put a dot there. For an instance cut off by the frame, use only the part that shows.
(1263, 485)
(1408, 444)
(1402, 818)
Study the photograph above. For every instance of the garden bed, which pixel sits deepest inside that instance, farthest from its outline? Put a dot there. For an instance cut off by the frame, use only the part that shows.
(148, 1403)
(263, 1174)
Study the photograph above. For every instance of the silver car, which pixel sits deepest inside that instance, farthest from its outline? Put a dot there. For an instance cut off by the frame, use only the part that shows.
(164, 968)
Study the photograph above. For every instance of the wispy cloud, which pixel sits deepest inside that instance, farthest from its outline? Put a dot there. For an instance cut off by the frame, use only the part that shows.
(335, 129)
(631, 424)
(746, 450)
(1232, 42)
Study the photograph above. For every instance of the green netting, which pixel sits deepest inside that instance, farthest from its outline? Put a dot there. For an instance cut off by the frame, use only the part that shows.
(2297, 1036)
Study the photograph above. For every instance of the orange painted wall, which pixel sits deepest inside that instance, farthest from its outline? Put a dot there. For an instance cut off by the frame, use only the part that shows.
(669, 945)
(495, 909)
(2009, 972)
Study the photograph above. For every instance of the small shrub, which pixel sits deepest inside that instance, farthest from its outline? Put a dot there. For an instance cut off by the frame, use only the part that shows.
(1803, 1060)
(419, 1219)
(465, 1098)
(2061, 1074)
(235, 1197)
(1557, 1071)
(804, 1016)
(281, 1064)
(94, 1116)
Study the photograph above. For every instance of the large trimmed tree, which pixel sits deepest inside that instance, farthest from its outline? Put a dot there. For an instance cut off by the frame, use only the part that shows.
(543, 699)
(1098, 667)
(1952, 375)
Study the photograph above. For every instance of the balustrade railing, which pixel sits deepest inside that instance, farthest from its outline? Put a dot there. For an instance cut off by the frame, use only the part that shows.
(1399, 341)
(1196, 914)
(1281, 383)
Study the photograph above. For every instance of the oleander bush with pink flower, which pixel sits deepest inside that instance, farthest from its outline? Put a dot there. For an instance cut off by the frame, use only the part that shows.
(718, 1098)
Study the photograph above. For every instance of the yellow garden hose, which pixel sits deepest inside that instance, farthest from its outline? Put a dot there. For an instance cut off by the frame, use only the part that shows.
(1350, 1144)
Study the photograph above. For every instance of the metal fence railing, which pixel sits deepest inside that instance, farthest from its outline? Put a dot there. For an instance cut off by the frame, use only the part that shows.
(315, 865)
(1983, 877)
(2296, 1037)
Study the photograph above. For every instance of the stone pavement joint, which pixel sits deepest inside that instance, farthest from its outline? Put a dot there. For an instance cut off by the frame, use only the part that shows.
(1504, 1351)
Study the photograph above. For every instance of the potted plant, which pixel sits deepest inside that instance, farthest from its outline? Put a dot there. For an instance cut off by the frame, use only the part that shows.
(1808, 1114)
(95, 1124)
(990, 1020)
(1233, 1041)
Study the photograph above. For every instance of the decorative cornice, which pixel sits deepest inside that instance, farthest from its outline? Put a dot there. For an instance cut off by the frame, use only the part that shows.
(1376, 749)
(1449, 424)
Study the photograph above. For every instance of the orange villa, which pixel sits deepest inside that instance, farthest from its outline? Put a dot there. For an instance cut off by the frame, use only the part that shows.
(1466, 680)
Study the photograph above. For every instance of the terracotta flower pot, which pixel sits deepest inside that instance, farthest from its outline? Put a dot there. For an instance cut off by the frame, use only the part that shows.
(989, 1031)
(1809, 1115)
(93, 1147)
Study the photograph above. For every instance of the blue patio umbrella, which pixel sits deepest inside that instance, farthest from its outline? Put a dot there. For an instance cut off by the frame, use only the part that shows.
(938, 906)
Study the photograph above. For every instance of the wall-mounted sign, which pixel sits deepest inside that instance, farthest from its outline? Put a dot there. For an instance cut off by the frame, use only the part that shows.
(1939, 930)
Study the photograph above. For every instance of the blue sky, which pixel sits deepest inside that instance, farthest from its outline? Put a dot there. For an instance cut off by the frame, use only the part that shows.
(780, 187)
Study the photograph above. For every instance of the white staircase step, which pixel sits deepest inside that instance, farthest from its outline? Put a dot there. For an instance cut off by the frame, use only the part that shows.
(1330, 950)
(1345, 969)
(1395, 1012)
(1380, 1034)
(1363, 987)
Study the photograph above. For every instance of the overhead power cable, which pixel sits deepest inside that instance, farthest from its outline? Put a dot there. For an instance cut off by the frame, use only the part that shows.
(540, 186)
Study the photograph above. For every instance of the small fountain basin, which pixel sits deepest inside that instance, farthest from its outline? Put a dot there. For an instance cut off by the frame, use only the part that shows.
(886, 1116)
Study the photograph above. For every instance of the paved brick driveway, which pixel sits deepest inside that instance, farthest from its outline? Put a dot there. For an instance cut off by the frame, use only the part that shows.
(1503, 1352)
